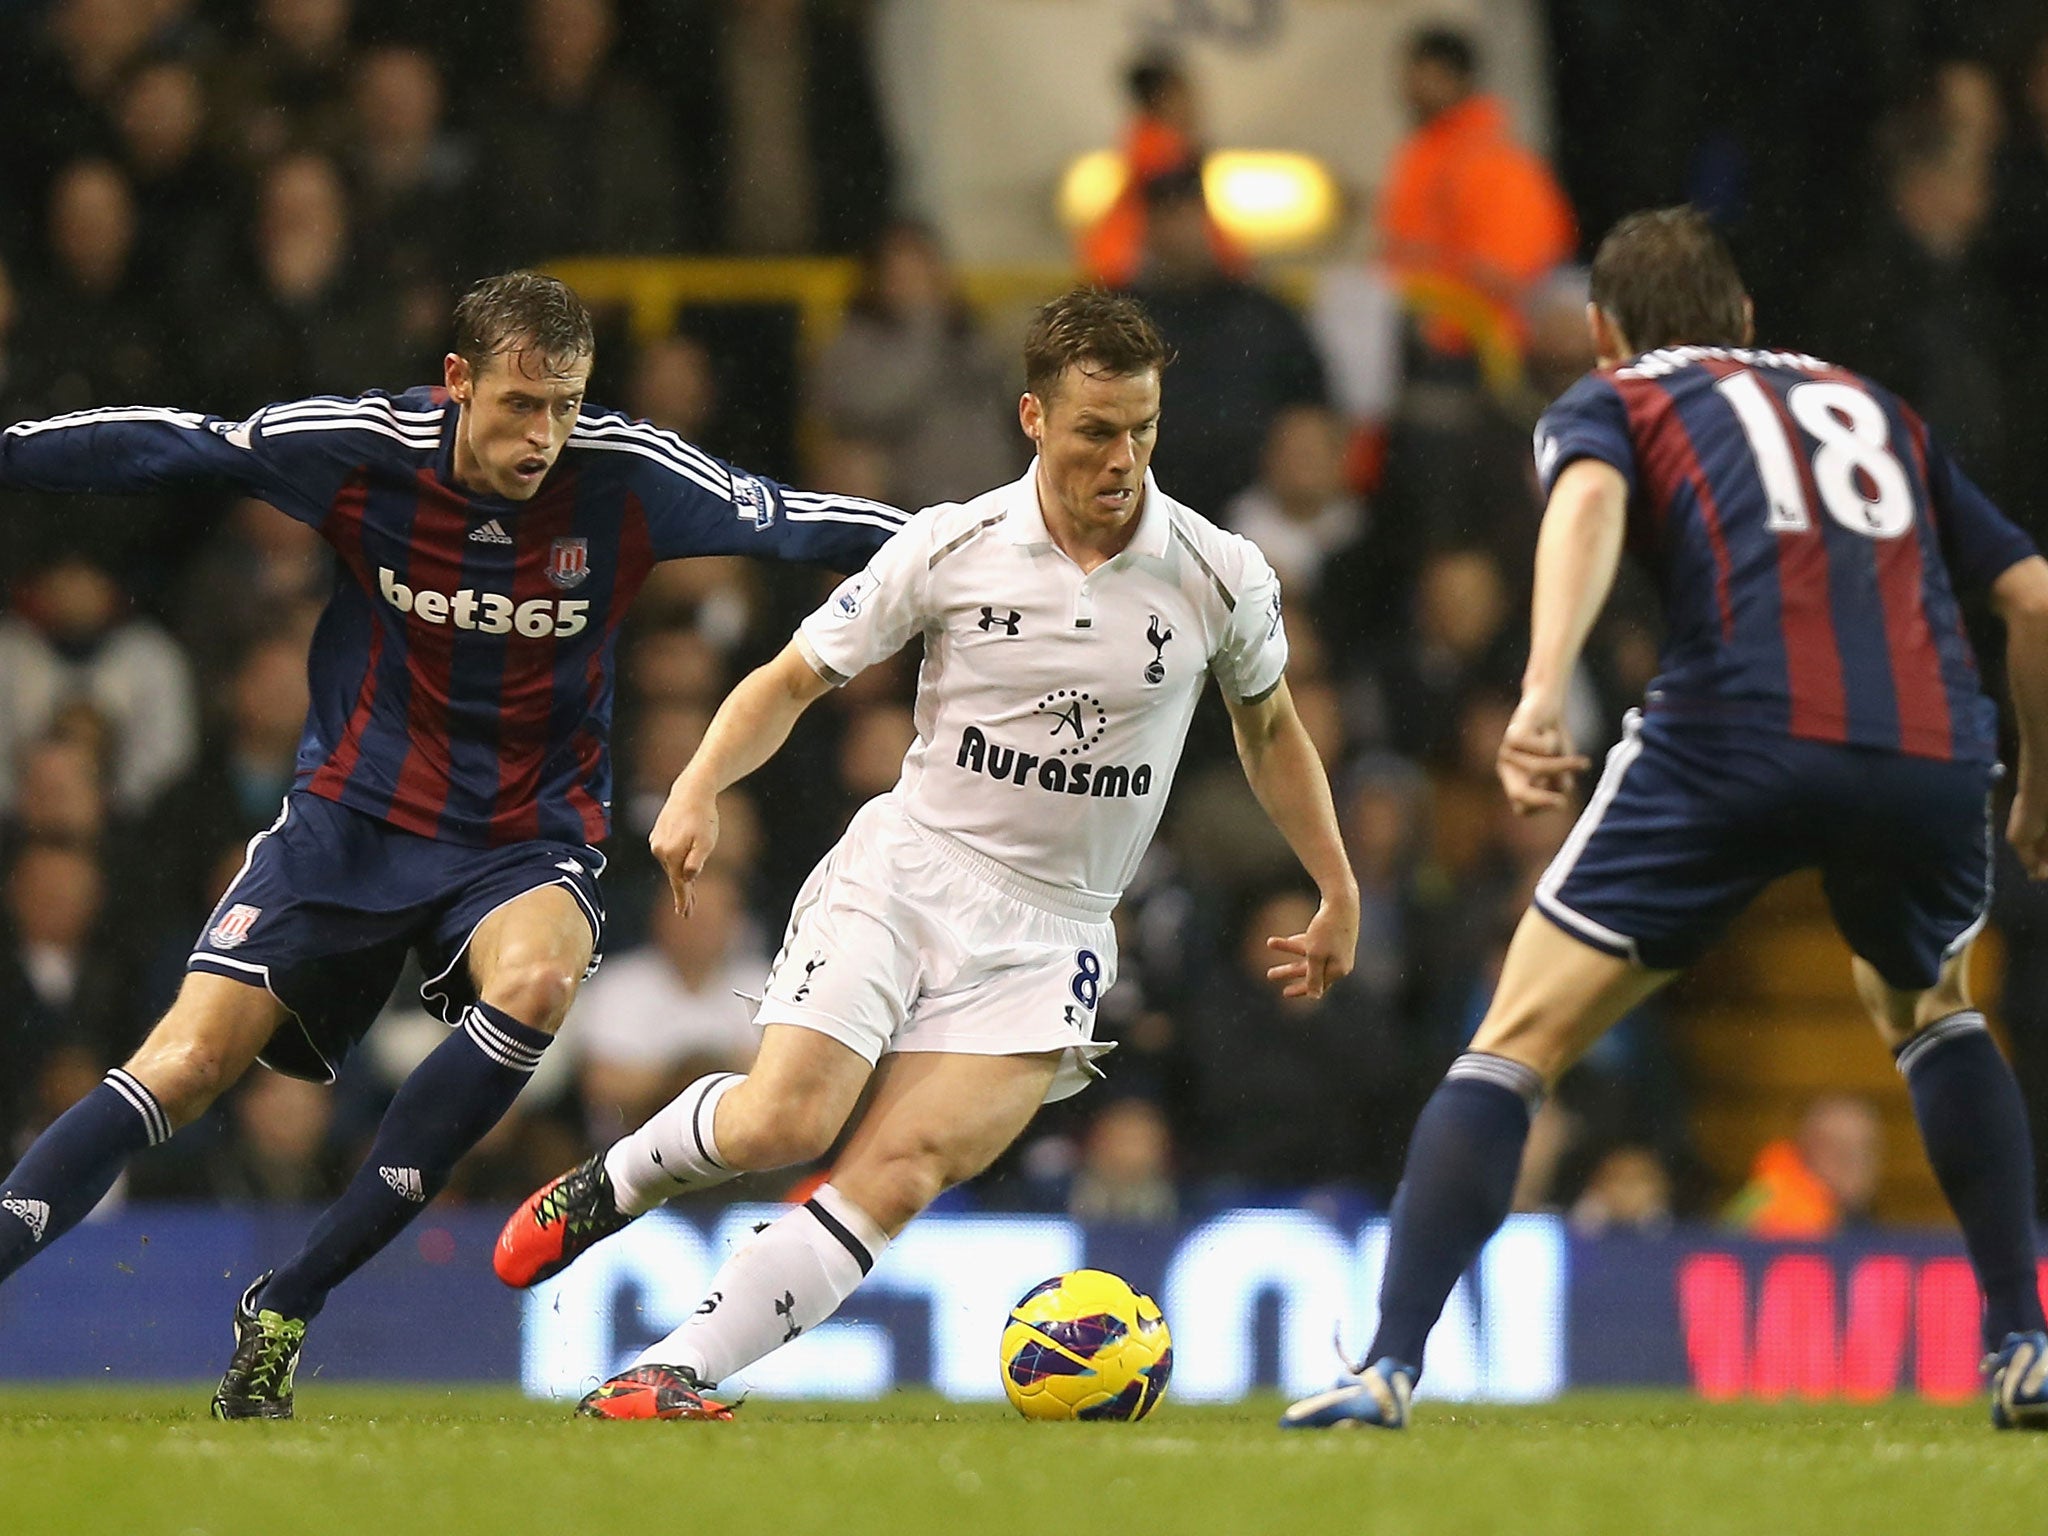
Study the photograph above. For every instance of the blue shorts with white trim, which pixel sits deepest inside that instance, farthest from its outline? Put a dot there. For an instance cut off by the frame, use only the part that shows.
(1689, 822)
(329, 903)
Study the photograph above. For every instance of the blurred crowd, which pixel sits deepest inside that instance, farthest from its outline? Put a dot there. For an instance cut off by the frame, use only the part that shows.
(215, 205)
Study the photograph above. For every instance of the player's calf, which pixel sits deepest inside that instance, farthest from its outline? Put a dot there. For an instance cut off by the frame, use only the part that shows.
(895, 1189)
(674, 1153)
(789, 1278)
(71, 1166)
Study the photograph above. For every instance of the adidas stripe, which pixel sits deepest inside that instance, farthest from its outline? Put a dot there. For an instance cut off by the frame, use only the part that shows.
(498, 1045)
(144, 1104)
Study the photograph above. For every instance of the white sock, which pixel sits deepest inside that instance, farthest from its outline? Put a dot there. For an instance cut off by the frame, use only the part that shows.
(790, 1278)
(674, 1153)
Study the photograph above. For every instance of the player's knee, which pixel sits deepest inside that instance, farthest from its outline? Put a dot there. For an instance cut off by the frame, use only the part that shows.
(185, 1075)
(536, 990)
(1536, 1037)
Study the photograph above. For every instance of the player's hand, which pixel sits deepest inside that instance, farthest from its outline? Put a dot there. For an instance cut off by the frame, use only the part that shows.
(2027, 830)
(1321, 956)
(1537, 764)
(684, 834)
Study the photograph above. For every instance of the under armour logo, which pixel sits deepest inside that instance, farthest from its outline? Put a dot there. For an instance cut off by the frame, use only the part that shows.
(786, 1310)
(1073, 1017)
(710, 1303)
(804, 990)
(990, 621)
(1155, 669)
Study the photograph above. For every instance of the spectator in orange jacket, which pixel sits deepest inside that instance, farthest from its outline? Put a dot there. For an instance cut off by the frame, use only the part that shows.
(1818, 1182)
(1464, 204)
(1163, 139)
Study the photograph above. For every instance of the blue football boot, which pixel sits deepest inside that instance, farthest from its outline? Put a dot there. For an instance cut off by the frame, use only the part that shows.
(2019, 1382)
(1376, 1397)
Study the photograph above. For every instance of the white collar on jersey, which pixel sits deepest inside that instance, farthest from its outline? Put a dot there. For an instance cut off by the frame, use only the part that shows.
(1025, 520)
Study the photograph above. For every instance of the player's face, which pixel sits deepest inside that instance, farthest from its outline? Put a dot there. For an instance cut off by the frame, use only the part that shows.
(1095, 434)
(516, 417)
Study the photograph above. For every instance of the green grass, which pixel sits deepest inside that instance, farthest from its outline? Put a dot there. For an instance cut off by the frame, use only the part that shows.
(390, 1461)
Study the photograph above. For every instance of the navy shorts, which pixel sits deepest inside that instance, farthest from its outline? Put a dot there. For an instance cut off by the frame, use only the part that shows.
(330, 901)
(1689, 822)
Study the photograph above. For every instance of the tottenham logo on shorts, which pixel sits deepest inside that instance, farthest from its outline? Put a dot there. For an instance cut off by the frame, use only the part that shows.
(234, 926)
(1009, 622)
(568, 562)
(1155, 669)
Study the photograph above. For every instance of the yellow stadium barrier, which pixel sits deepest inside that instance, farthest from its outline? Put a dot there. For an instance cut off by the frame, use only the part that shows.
(654, 290)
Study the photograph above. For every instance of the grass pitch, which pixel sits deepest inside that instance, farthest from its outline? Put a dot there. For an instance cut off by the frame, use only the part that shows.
(390, 1461)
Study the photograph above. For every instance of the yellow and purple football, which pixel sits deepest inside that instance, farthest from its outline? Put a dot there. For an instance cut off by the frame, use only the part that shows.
(1084, 1345)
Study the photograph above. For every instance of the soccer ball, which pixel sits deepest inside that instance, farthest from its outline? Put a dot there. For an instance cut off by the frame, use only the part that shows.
(1084, 1345)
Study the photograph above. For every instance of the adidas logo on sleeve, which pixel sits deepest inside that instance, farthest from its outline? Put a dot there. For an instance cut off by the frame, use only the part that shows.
(35, 1213)
(407, 1182)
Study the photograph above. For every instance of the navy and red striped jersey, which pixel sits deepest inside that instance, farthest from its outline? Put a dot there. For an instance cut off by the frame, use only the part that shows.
(1809, 537)
(462, 670)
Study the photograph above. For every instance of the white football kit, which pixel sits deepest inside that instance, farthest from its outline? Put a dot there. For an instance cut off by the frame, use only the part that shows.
(968, 909)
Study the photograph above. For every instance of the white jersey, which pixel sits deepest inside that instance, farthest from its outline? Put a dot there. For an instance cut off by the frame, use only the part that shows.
(1052, 704)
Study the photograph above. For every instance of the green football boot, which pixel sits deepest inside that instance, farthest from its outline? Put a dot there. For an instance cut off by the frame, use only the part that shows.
(258, 1383)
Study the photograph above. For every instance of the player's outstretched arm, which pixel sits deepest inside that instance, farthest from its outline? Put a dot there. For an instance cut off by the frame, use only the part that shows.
(750, 726)
(128, 448)
(1285, 773)
(1577, 555)
(700, 505)
(2020, 595)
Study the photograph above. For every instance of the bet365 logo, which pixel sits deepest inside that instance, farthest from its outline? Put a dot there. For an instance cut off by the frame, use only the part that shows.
(488, 613)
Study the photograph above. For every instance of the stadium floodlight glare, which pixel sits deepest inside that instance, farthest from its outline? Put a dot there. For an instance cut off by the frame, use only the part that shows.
(1088, 187)
(1276, 202)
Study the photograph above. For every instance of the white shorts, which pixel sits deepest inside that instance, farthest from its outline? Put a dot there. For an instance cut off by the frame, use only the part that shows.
(903, 939)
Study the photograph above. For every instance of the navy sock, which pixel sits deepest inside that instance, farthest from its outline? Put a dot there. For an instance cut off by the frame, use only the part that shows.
(73, 1164)
(1974, 1125)
(1455, 1190)
(451, 1100)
